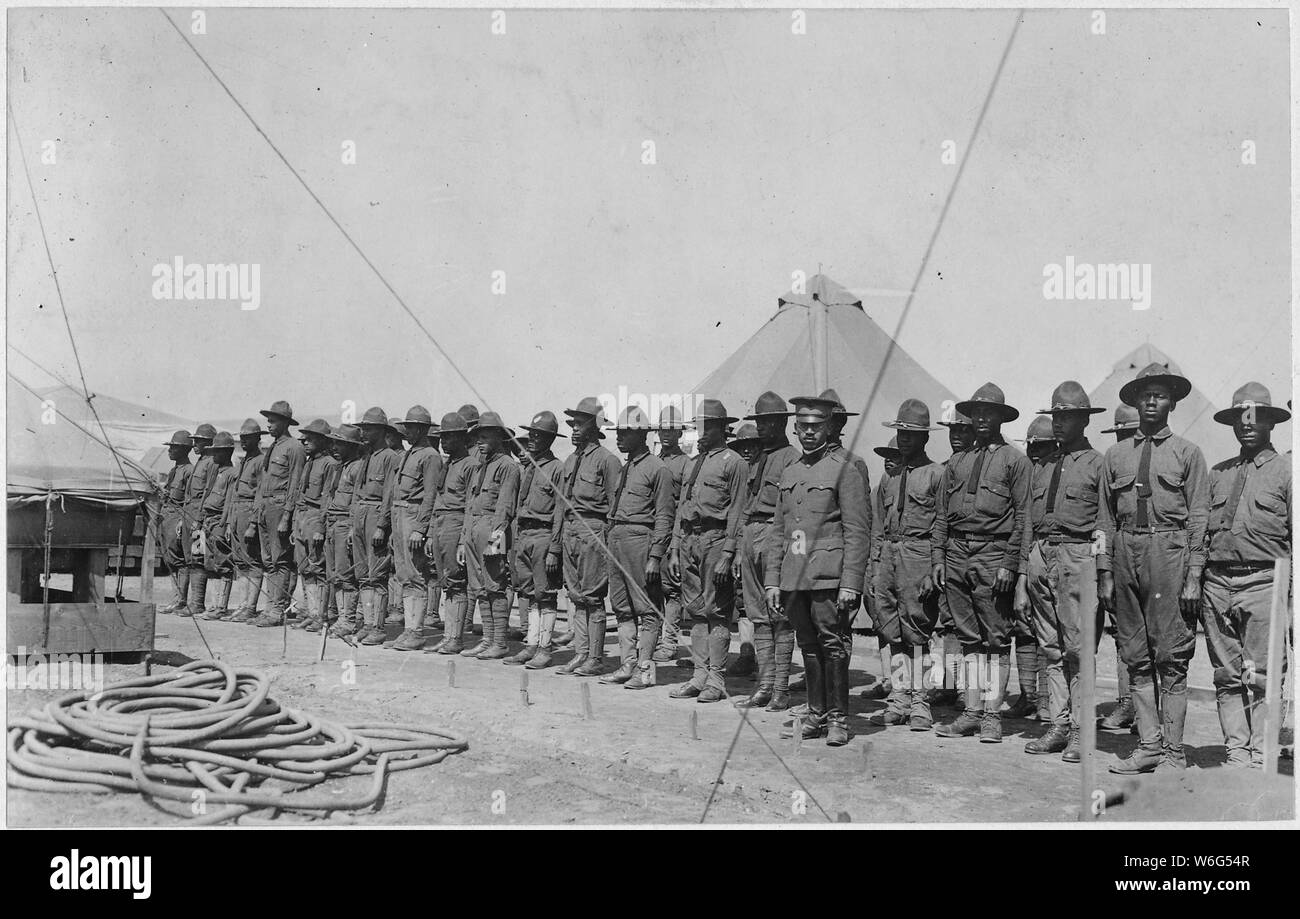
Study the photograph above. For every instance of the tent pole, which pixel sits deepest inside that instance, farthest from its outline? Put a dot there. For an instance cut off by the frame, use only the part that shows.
(821, 380)
(49, 535)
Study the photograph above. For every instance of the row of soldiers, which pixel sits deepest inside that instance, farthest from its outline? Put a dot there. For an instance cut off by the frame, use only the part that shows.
(987, 548)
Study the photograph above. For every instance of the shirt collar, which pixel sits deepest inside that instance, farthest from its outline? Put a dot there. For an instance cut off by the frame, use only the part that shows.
(1266, 453)
(636, 459)
(1158, 435)
(921, 460)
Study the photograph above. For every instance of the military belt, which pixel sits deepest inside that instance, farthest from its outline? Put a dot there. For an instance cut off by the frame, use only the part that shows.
(1240, 567)
(1129, 527)
(699, 526)
(759, 517)
(979, 537)
(533, 523)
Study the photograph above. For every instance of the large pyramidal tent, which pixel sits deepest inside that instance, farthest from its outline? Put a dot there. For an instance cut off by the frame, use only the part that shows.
(823, 337)
(1192, 418)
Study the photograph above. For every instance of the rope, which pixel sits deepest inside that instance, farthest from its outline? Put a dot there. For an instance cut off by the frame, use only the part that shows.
(210, 734)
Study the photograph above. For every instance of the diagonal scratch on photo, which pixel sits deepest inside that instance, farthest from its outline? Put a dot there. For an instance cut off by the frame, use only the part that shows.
(652, 416)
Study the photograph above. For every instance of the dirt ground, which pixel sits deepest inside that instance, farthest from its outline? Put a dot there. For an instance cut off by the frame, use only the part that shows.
(636, 760)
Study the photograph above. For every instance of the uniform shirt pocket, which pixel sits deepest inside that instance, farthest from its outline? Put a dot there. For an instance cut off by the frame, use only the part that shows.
(1125, 495)
(1269, 517)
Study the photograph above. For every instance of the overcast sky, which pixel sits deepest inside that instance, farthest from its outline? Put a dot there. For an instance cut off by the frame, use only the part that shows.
(522, 153)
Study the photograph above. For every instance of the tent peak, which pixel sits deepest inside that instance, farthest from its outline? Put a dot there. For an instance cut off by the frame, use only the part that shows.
(820, 289)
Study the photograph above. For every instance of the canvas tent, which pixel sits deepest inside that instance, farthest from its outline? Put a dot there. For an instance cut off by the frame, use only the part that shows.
(1192, 418)
(823, 337)
(135, 431)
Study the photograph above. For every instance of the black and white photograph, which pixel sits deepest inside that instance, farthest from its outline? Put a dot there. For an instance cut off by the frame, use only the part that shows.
(664, 416)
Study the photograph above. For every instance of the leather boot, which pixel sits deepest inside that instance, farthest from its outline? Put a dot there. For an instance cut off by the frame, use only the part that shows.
(315, 592)
(760, 698)
(746, 662)
(700, 659)
(920, 719)
(578, 622)
(809, 725)
(1254, 702)
(1072, 753)
(837, 699)
(522, 656)
(196, 605)
(1231, 703)
(1054, 740)
(1150, 750)
(499, 612)
(1173, 714)
(1121, 716)
(346, 624)
(991, 722)
(251, 589)
(594, 665)
(1027, 664)
(764, 654)
(967, 724)
(277, 600)
(627, 634)
(814, 669)
(898, 707)
(644, 676)
(374, 609)
(545, 628)
(451, 635)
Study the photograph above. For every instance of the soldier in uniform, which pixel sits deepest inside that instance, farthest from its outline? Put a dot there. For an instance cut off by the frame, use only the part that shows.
(175, 534)
(239, 519)
(1249, 529)
(196, 489)
(1031, 671)
(415, 488)
(1154, 507)
(448, 526)
(1122, 716)
(537, 589)
(485, 539)
(817, 563)
(773, 635)
(669, 432)
(277, 492)
(340, 563)
(590, 477)
(907, 602)
(1057, 586)
(394, 611)
(372, 524)
(961, 436)
(710, 512)
(975, 551)
(216, 546)
(309, 521)
(640, 527)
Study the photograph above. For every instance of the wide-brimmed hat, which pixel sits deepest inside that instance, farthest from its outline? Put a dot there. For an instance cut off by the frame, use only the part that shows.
(745, 433)
(888, 451)
(374, 416)
(769, 404)
(348, 434)
(544, 423)
(205, 432)
(1126, 419)
(913, 415)
(671, 419)
(813, 408)
(398, 426)
(952, 417)
(833, 396)
(1256, 396)
(1179, 386)
(180, 439)
(316, 426)
(222, 440)
(418, 414)
(713, 410)
(989, 395)
(1040, 429)
(632, 418)
(250, 427)
(1070, 397)
(453, 423)
(469, 411)
(281, 409)
(492, 420)
(589, 406)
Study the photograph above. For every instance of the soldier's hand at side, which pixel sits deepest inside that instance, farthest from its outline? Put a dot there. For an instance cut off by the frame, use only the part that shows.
(317, 540)
(774, 600)
(1005, 581)
(735, 569)
(251, 532)
(415, 542)
(722, 571)
(1190, 599)
(939, 580)
(179, 528)
(552, 564)
(1021, 603)
(1106, 591)
(460, 555)
(652, 573)
(926, 590)
(674, 566)
(848, 599)
(377, 538)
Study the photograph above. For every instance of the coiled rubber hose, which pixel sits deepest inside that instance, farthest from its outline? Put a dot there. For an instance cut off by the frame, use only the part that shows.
(209, 733)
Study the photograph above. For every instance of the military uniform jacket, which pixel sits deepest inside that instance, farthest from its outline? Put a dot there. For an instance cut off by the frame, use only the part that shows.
(219, 493)
(714, 494)
(494, 493)
(912, 516)
(416, 483)
(821, 536)
(313, 494)
(764, 484)
(178, 482)
(248, 476)
(1076, 507)
(645, 497)
(1180, 493)
(374, 487)
(456, 478)
(281, 474)
(588, 481)
(996, 505)
(341, 489)
(1260, 529)
(205, 470)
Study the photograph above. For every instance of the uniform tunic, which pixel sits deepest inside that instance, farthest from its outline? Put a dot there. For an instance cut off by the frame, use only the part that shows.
(217, 561)
(309, 515)
(539, 484)
(980, 526)
(176, 538)
(1150, 562)
(589, 479)
(901, 528)
(340, 568)
(710, 511)
(763, 493)
(200, 481)
(449, 520)
(640, 528)
(372, 510)
(677, 463)
(490, 509)
(415, 488)
(246, 551)
(1246, 535)
(281, 478)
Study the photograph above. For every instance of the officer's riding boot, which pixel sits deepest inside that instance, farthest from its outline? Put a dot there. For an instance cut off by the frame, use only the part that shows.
(1027, 671)
(527, 652)
(811, 723)
(1150, 750)
(545, 641)
(782, 652)
(999, 663)
(967, 724)
(837, 700)
(1173, 714)
(700, 659)
(578, 624)
(765, 657)
(499, 611)
(182, 593)
(627, 635)
(594, 665)
(452, 642)
(745, 663)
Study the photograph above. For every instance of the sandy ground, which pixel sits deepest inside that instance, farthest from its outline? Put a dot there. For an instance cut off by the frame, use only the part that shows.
(636, 760)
